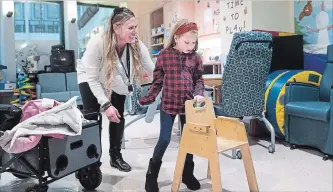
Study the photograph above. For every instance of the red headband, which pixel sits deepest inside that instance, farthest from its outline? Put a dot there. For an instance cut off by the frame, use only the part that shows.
(186, 28)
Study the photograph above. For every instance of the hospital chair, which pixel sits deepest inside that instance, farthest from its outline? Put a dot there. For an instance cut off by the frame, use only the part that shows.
(244, 78)
(308, 112)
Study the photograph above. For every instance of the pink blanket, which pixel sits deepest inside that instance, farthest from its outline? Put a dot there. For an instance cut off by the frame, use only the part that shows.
(30, 109)
(34, 107)
(43, 117)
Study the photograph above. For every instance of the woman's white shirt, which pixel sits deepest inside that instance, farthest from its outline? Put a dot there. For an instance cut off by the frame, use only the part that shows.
(90, 69)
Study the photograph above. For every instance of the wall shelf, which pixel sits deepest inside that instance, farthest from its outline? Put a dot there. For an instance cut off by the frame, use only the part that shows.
(156, 45)
(157, 31)
(158, 34)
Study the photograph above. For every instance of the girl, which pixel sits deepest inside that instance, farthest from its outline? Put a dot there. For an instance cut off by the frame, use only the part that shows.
(179, 71)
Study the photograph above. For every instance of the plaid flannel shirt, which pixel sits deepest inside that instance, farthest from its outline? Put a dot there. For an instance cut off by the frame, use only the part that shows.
(180, 75)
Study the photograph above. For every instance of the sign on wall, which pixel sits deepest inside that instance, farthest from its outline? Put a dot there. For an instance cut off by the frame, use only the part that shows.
(235, 17)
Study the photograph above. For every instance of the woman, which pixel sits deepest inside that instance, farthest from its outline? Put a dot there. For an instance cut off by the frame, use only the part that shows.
(113, 53)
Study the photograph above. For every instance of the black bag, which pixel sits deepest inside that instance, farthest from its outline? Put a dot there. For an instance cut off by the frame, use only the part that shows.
(10, 116)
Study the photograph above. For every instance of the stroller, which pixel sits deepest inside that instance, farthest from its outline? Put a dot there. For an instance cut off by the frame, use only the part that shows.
(54, 158)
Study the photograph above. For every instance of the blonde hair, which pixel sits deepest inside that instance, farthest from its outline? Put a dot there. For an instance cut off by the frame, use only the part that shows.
(171, 43)
(119, 17)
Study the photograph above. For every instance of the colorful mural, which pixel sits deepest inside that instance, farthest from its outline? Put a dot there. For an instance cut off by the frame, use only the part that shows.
(314, 20)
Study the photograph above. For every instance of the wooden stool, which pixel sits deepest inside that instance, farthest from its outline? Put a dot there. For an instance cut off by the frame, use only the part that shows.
(206, 136)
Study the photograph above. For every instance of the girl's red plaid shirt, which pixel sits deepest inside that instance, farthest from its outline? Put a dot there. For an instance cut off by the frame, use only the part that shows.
(180, 75)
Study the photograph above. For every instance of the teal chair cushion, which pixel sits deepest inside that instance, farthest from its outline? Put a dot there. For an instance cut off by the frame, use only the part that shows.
(59, 96)
(330, 53)
(71, 81)
(52, 82)
(327, 80)
(316, 110)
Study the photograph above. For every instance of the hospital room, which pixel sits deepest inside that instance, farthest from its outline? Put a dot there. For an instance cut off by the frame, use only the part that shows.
(166, 95)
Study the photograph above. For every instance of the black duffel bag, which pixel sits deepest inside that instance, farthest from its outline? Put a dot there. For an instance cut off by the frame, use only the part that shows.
(10, 116)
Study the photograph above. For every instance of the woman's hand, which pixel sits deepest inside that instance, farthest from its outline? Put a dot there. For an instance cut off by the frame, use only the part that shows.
(199, 99)
(112, 114)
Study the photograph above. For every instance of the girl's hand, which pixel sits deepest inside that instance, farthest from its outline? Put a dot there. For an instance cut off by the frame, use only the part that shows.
(140, 105)
(199, 99)
(139, 101)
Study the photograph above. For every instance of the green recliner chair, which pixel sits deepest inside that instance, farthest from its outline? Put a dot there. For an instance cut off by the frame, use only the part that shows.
(308, 112)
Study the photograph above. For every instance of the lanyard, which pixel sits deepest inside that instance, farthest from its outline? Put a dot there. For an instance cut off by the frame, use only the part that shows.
(128, 71)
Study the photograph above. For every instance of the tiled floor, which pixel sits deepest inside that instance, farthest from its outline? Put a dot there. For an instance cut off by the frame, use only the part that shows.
(285, 170)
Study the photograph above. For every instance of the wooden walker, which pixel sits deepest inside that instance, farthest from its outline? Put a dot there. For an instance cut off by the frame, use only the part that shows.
(206, 136)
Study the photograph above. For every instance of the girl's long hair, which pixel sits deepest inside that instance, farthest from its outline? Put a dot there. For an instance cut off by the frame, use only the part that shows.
(171, 43)
(119, 17)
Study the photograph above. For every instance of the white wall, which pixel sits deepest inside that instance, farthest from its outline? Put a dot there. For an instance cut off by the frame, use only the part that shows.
(7, 40)
(1, 53)
(273, 15)
(70, 12)
(234, 18)
(141, 8)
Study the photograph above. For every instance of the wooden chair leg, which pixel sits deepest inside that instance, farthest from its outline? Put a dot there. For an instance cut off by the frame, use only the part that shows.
(249, 168)
(178, 170)
(208, 171)
(214, 166)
